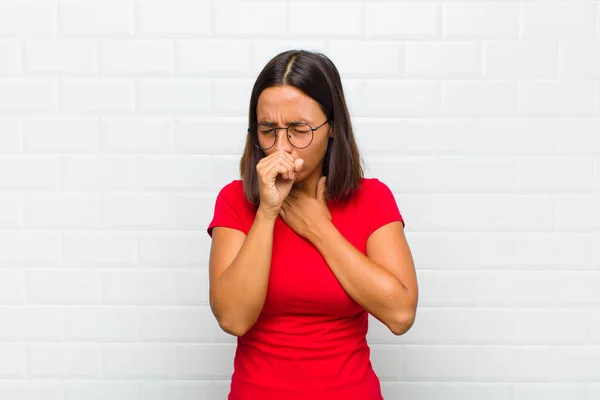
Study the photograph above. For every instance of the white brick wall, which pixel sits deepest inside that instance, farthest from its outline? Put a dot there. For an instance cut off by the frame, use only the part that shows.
(120, 120)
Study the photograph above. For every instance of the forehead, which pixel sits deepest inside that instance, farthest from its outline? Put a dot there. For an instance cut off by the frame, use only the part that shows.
(285, 101)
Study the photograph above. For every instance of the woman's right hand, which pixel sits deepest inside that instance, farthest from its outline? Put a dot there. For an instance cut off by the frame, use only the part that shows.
(276, 175)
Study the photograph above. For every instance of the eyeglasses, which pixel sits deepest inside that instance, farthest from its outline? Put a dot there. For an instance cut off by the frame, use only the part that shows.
(300, 135)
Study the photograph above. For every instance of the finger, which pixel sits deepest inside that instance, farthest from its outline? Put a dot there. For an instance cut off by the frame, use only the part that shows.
(298, 164)
(279, 168)
(278, 165)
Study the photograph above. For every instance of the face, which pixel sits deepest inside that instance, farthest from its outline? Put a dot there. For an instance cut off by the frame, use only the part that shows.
(282, 105)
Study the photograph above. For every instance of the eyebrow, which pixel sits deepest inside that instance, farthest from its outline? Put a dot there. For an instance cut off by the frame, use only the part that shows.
(290, 122)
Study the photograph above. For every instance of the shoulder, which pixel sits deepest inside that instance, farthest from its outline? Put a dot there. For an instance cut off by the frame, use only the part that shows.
(372, 189)
(233, 190)
(233, 194)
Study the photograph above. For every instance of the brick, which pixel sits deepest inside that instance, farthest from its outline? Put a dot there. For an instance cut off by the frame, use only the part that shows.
(489, 20)
(402, 19)
(12, 286)
(549, 250)
(193, 287)
(539, 326)
(34, 172)
(139, 287)
(194, 210)
(250, 18)
(314, 19)
(97, 172)
(99, 390)
(577, 288)
(173, 248)
(546, 175)
(181, 324)
(556, 98)
(96, 18)
(27, 18)
(31, 389)
(10, 56)
(101, 323)
(212, 57)
(509, 363)
(512, 59)
(445, 59)
(188, 356)
(154, 361)
(31, 323)
(136, 57)
(211, 135)
(517, 137)
(434, 362)
(181, 172)
(519, 288)
(64, 360)
(411, 98)
(479, 98)
(550, 390)
(385, 360)
(232, 96)
(13, 360)
(24, 95)
(10, 135)
(17, 245)
(61, 211)
(557, 20)
(68, 57)
(576, 363)
(138, 211)
(186, 96)
(96, 95)
(63, 287)
(451, 390)
(177, 18)
(577, 136)
(92, 249)
(136, 134)
(60, 135)
(11, 209)
(577, 212)
(386, 58)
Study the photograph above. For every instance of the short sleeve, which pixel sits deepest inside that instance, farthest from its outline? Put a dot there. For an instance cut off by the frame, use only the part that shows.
(225, 213)
(386, 208)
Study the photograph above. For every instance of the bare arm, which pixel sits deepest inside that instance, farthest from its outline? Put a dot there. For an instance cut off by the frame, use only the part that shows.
(383, 282)
(239, 273)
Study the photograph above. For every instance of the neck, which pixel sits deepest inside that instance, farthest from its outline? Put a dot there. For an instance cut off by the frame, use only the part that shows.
(308, 186)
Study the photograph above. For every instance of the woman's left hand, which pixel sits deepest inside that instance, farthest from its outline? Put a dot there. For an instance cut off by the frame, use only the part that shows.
(303, 214)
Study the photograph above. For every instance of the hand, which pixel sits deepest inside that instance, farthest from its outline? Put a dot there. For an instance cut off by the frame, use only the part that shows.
(276, 175)
(304, 214)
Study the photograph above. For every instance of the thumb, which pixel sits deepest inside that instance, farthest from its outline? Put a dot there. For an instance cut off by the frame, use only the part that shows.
(321, 188)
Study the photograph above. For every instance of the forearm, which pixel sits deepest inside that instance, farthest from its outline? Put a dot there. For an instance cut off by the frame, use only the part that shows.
(366, 282)
(240, 292)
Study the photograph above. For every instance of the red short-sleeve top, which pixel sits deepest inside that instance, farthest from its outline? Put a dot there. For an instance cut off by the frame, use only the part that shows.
(310, 339)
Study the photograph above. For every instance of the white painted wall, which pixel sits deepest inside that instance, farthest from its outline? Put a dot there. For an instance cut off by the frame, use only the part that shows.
(120, 120)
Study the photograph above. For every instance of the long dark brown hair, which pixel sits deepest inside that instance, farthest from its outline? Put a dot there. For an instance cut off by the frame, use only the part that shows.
(315, 75)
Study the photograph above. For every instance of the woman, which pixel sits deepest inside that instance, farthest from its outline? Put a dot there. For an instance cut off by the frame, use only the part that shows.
(304, 247)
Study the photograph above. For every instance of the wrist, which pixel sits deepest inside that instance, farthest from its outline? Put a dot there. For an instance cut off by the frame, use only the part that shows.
(320, 231)
(269, 215)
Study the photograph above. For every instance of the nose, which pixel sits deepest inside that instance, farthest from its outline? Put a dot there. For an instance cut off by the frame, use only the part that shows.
(282, 142)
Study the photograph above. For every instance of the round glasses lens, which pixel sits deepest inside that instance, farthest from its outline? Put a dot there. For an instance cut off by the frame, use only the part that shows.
(300, 135)
(265, 136)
